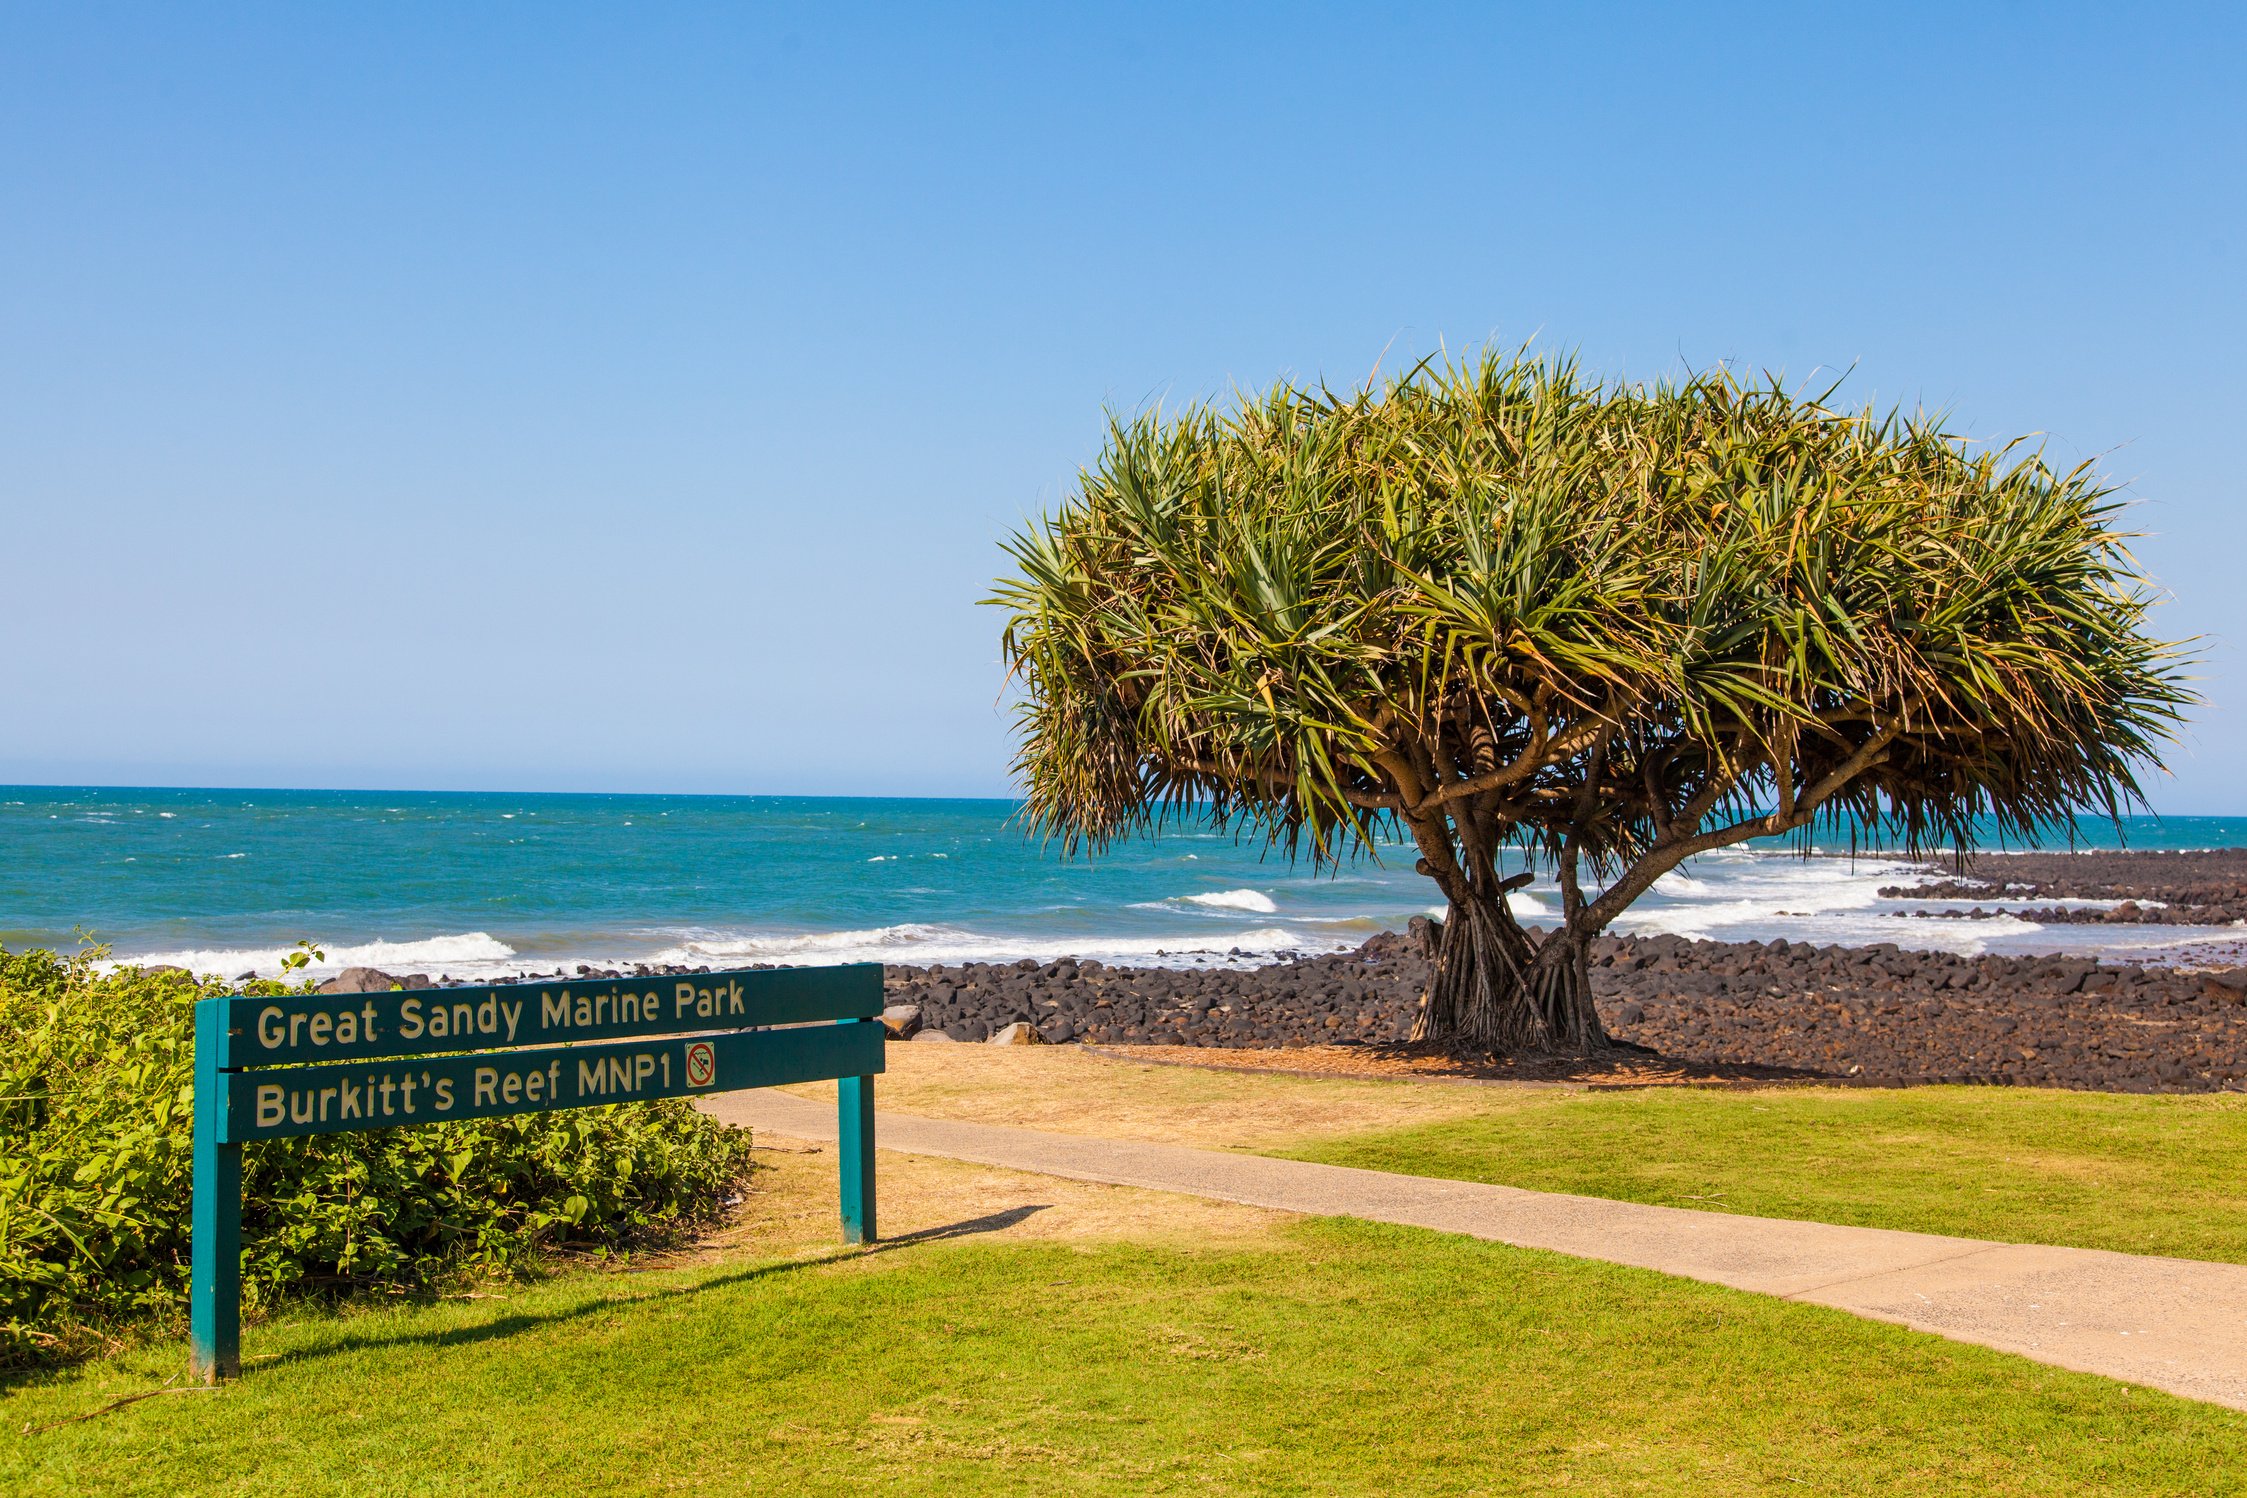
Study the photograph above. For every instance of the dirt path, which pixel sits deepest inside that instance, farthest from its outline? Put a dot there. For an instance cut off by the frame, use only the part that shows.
(2172, 1324)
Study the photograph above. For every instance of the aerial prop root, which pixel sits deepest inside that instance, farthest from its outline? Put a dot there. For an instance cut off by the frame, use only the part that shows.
(1493, 990)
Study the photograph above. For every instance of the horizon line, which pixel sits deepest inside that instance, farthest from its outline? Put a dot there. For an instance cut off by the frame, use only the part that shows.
(395, 790)
(2149, 814)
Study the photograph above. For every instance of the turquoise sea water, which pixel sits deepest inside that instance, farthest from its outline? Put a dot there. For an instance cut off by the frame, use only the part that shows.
(481, 884)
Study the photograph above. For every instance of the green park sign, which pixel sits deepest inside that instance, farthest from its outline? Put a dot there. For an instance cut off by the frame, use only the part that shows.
(270, 1068)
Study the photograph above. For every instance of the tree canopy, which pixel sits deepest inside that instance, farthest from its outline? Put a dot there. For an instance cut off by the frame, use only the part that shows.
(1502, 605)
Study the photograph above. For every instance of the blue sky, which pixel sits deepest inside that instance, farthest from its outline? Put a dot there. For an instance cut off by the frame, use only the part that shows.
(549, 397)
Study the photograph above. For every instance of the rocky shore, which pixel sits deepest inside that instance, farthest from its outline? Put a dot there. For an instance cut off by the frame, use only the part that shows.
(1875, 1015)
(1867, 1014)
(1881, 1014)
(2205, 887)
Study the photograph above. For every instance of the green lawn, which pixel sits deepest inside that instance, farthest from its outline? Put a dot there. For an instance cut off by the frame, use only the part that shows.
(2148, 1175)
(1337, 1358)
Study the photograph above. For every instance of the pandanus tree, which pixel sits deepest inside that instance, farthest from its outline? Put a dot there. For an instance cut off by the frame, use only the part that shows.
(1598, 629)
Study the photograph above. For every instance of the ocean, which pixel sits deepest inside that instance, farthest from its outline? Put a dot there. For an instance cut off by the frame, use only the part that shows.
(477, 885)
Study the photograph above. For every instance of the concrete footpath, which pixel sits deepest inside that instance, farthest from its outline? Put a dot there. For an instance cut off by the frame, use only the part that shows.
(2173, 1324)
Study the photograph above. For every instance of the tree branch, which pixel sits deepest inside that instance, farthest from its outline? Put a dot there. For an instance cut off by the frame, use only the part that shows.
(1641, 876)
(1535, 757)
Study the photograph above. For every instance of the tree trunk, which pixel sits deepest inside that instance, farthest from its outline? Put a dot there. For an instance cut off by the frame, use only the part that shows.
(1494, 990)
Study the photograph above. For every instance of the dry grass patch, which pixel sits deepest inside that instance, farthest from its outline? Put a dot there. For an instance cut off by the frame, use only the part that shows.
(1431, 1063)
(790, 1209)
(1072, 1090)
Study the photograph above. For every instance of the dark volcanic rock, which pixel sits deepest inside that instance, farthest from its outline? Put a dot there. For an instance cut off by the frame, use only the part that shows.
(359, 980)
(1876, 1014)
(2206, 887)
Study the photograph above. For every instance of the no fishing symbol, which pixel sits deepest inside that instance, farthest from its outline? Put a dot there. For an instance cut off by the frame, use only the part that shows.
(702, 1064)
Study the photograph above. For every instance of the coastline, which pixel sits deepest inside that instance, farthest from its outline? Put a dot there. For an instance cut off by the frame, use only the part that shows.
(1879, 1013)
(1911, 971)
(2162, 908)
(486, 886)
(1869, 1016)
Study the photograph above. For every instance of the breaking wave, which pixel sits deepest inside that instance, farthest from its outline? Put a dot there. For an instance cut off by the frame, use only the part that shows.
(920, 945)
(1234, 899)
(469, 954)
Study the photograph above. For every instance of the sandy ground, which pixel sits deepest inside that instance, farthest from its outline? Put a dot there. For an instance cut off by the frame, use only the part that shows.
(1241, 1100)
(1086, 1090)
(790, 1209)
(1403, 1063)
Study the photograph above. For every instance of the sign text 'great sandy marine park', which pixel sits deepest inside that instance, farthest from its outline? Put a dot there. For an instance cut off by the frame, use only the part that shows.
(268, 1068)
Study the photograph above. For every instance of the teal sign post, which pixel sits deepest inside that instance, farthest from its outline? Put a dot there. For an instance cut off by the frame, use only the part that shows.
(330, 1063)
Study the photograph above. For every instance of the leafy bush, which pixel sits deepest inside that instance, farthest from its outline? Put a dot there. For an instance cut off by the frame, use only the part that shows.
(97, 1164)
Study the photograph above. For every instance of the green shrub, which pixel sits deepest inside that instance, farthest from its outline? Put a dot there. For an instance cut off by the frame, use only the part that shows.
(97, 1162)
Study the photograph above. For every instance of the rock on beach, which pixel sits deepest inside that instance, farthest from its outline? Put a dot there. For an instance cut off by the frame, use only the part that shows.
(2197, 887)
(1876, 1014)
(1871, 1014)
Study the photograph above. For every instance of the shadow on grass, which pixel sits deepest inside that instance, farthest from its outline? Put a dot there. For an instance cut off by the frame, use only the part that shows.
(993, 1222)
(348, 1339)
(16, 1380)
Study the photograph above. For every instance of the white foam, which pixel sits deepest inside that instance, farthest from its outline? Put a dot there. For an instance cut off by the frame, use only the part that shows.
(920, 945)
(1682, 886)
(469, 954)
(1733, 895)
(1235, 899)
(1741, 895)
